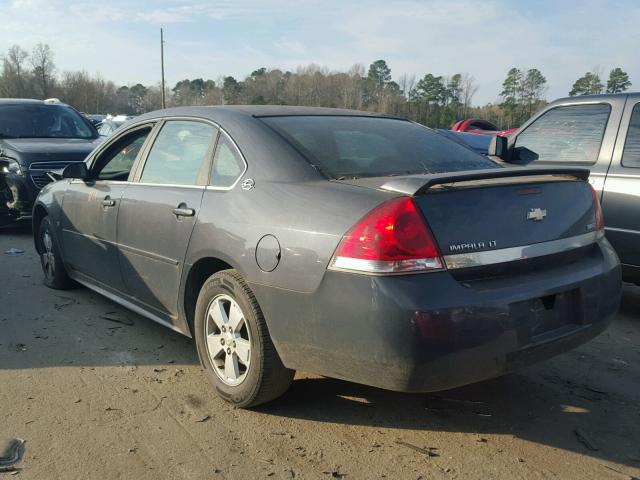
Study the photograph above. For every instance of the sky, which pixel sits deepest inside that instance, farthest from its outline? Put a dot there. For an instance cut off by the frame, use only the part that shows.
(119, 39)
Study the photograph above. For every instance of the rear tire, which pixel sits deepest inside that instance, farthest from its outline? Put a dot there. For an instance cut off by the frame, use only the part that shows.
(55, 274)
(234, 344)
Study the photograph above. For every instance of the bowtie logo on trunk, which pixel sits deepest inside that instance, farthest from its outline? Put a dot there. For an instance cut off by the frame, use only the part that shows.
(536, 214)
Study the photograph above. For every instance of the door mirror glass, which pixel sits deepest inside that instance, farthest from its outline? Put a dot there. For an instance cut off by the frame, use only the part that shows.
(498, 147)
(523, 156)
(75, 170)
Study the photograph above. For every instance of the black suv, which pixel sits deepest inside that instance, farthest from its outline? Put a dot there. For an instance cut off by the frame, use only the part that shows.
(36, 137)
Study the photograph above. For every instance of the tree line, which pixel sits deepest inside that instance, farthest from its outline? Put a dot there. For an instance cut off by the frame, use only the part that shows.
(433, 100)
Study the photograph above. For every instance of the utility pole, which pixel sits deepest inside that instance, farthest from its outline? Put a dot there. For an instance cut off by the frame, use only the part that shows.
(164, 105)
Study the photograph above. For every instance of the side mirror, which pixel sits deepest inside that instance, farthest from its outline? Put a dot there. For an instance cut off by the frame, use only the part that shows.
(499, 147)
(76, 170)
(523, 156)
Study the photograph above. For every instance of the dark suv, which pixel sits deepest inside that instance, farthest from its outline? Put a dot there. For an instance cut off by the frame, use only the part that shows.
(36, 136)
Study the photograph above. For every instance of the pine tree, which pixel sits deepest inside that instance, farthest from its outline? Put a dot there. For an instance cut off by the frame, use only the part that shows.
(511, 92)
(588, 84)
(618, 81)
(534, 85)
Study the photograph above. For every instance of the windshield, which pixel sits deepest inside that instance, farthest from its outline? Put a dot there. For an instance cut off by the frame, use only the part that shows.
(43, 121)
(347, 147)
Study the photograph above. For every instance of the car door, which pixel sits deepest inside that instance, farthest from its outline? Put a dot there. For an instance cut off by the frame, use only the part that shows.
(90, 210)
(158, 211)
(621, 198)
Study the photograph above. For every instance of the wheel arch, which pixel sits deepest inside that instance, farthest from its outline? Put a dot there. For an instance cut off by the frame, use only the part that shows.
(39, 212)
(199, 272)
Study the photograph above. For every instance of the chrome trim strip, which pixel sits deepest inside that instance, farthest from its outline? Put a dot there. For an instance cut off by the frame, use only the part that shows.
(92, 182)
(625, 175)
(381, 267)
(622, 230)
(46, 166)
(492, 257)
(148, 184)
(143, 184)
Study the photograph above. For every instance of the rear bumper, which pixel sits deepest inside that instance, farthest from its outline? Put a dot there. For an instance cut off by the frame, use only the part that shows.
(429, 332)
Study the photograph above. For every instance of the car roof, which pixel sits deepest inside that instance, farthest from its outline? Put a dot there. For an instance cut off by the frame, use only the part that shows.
(224, 112)
(598, 98)
(286, 110)
(30, 101)
(17, 101)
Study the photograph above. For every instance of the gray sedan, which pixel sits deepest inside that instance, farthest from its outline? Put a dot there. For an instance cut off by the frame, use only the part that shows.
(350, 244)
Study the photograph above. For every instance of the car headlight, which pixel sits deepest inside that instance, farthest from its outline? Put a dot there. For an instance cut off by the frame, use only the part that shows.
(8, 165)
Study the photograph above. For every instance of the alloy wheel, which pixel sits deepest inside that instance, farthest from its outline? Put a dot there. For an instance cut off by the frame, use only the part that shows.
(228, 340)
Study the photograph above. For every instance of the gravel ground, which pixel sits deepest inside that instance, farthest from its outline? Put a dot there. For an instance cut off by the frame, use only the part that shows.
(98, 398)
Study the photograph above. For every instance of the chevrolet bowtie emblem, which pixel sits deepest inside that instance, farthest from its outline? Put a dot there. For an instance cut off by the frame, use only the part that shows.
(536, 214)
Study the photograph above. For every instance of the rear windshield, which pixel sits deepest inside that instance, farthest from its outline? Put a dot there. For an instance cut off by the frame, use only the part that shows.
(347, 147)
(43, 121)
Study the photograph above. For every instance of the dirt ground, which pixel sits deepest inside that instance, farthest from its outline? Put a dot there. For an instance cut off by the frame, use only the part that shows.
(98, 399)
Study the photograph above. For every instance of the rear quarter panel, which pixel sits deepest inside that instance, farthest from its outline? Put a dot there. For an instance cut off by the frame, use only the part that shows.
(290, 200)
(308, 219)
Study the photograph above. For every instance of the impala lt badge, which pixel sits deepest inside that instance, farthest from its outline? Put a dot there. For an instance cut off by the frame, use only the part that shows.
(470, 246)
(536, 214)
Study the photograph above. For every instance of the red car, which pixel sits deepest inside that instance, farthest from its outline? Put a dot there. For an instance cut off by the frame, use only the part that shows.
(477, 125)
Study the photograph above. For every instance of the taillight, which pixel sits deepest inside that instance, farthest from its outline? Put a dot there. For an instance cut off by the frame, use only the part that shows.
(597, 208)
(392, 238)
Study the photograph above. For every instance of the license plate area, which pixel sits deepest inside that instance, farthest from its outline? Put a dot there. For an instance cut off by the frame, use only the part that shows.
(539, 316)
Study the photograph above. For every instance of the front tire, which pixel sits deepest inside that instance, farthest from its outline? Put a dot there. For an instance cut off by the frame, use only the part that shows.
(55, 274)
(234, 345)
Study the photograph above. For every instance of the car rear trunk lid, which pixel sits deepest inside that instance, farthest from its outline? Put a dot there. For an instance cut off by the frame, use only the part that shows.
(509, 214)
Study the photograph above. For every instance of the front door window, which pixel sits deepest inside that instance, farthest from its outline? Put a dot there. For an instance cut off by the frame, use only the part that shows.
(117, 161)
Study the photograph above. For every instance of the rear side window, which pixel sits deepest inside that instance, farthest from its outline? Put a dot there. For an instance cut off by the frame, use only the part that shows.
(227, 163)
(570, 134)
(631, 154)
(372, 146)
(178, 153)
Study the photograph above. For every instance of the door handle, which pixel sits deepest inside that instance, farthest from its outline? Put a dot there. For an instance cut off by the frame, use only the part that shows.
(183, 211)
(107, 202)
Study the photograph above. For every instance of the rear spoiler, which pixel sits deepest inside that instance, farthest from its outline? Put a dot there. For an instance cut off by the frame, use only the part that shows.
(419, 184)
